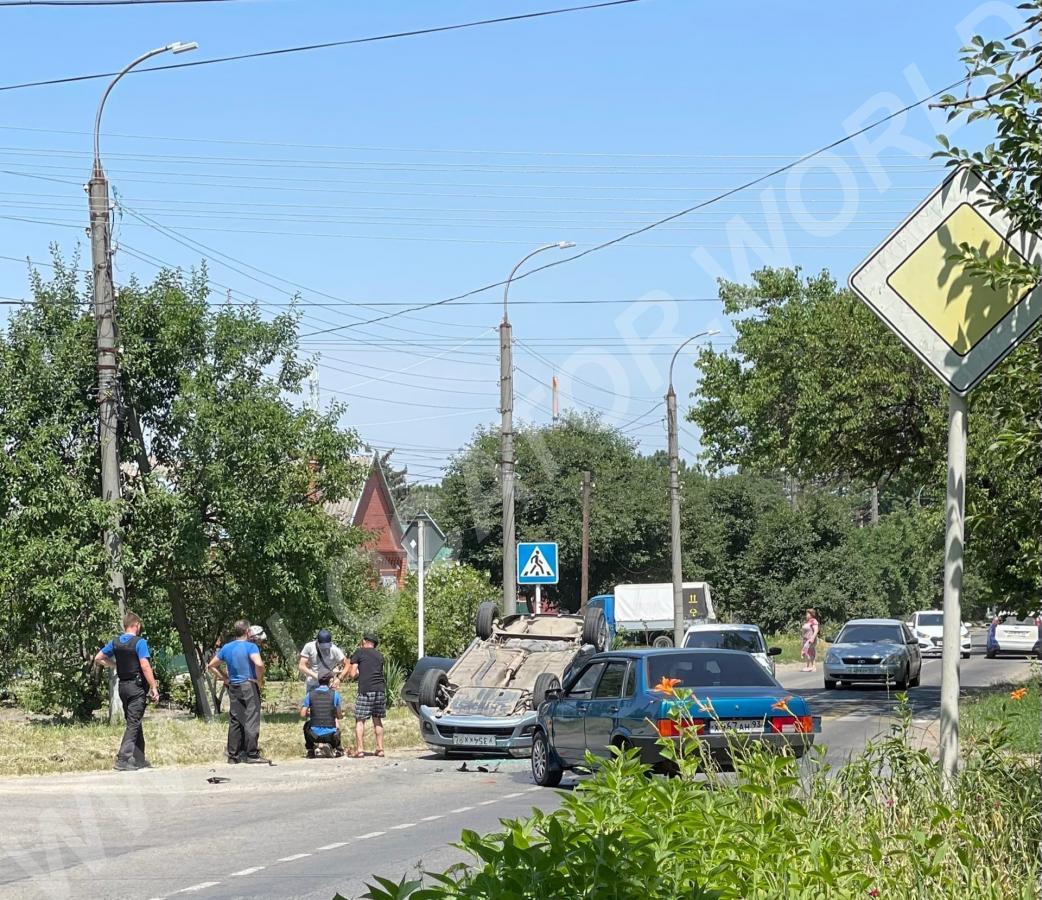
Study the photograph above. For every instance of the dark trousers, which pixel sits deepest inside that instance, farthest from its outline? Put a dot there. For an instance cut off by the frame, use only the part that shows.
(132, 747)
(310, 738)
(243, 719)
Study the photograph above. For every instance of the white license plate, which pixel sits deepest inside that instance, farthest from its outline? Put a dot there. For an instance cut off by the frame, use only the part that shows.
(474, 740)
(862, 670)
(742, 726)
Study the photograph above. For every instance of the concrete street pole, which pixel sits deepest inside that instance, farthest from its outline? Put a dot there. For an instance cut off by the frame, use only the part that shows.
(953, 563)
(674, 498)
(108, 362)
(506, 409)
(584, 584)
(421, 575)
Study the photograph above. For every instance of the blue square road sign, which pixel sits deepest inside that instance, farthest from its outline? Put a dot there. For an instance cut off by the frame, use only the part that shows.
(537, 563)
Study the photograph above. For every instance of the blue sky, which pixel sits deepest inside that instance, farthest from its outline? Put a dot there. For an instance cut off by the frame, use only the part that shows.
(420, 168)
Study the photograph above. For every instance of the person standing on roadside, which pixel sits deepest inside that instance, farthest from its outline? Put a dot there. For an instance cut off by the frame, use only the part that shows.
(809, 641)
(367, 666)
(128, 654)
(245, 681)
(322, 657)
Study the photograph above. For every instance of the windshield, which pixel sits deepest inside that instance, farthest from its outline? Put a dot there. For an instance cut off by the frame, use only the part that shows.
(930, 619)
(734, 639)
(870, 634)
(702, 670)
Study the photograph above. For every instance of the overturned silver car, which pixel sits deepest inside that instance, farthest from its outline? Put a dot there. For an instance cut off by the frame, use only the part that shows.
(488, 699)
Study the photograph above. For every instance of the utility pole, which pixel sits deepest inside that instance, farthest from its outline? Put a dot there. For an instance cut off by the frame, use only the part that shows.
(506, 462)
(108, 360)
(420, 576)
(673, 445)
(584, 589)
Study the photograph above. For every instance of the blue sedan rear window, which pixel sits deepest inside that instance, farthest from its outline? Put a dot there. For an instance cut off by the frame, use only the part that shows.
(701, 670)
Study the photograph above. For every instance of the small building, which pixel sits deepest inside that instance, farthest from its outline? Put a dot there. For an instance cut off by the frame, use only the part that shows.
(374, 511)
(435, 544)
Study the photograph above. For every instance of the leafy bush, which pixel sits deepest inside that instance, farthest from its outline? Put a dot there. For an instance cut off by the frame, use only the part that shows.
(880, 826)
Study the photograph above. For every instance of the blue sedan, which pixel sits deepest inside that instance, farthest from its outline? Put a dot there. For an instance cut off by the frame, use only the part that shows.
(612, 701)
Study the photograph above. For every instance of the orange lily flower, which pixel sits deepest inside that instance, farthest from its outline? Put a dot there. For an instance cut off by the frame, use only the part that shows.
(1019, 693)
(667, 686)
(783, 704)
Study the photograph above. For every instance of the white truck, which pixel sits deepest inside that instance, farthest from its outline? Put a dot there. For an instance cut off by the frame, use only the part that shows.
(643, 613)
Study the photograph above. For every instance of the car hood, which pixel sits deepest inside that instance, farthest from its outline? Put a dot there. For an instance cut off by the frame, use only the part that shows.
(869, 648)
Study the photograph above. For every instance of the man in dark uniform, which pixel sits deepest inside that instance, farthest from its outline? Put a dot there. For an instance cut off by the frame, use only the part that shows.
(128, 655)
(245, 681)
(321, 709)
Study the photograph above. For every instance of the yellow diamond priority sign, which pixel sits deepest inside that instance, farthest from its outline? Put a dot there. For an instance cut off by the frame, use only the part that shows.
(957, 323)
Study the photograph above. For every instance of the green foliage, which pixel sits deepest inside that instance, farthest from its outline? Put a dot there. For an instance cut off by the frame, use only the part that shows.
(881, 826)
(222, 479)
(452, 594)
(629, 532)
(815, 386)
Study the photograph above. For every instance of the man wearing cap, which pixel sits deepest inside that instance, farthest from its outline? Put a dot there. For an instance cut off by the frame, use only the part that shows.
(322, 657)
(321, 710)
(367, 665)
(128, 655)
(245, 681)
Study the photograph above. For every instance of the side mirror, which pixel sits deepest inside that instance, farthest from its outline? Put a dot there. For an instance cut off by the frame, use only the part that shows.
(774, 651)
(551, 694)
(831, 639)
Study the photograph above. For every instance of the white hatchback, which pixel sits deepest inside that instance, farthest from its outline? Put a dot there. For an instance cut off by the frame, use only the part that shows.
(928, 627)
(748, 638)
(1012, 634)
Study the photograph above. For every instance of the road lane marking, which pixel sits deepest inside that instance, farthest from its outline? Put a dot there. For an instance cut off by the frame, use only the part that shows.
(402, 826)
(248, 871)
(293, 857)
(334, 846)
(488, 802)
(372, 834)
(532, 790)
(461, 809)
(512, 796)
(202, 886)
(431, 818)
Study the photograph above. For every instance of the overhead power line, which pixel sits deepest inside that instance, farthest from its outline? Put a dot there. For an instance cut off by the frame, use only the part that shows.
(305, 48)
(102, 2)
(665, 219)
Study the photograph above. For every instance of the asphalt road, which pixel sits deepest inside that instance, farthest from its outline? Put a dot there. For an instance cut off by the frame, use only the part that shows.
(311, 829)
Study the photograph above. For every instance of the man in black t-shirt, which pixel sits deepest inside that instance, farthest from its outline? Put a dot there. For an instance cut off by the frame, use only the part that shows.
(367, 666)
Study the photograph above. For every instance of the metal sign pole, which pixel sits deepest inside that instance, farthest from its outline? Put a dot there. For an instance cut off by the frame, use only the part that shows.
(420, 574)
(538, 600)
(953, 564)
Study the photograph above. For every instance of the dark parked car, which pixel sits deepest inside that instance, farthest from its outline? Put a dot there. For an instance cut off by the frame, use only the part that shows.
(611, 701)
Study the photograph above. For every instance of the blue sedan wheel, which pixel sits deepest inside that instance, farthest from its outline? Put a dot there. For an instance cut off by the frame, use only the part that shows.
(545, 770)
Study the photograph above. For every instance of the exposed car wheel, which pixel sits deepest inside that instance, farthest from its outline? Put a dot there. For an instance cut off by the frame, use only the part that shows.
(545, 770)
(914, 682)
(486, 620)
(901, 684)
(830, 685)
(544, 682)
(662, 640)
(595, 628)
(433, 688)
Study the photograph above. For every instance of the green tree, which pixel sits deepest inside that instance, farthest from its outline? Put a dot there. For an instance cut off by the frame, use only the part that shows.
(223, 477)
(629, 520)
(815, 387)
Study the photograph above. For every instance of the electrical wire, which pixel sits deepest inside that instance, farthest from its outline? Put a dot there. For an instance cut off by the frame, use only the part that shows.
(460, 26)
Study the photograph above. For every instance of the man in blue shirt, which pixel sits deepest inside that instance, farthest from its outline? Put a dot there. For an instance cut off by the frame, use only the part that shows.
(128, 655)
(245, 681)
(322, 704)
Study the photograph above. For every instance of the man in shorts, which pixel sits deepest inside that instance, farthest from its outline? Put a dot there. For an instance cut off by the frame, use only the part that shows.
(367, 666)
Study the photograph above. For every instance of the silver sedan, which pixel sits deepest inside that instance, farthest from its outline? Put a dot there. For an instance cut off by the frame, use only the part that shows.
(880, 651)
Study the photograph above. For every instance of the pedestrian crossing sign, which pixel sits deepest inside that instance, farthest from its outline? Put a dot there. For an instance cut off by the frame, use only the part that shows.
(537, 563)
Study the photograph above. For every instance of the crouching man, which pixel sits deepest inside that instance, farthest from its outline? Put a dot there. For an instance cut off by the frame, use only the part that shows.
(321, 710)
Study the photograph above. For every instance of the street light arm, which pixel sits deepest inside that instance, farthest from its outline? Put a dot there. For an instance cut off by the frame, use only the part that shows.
(176, 47)
(557, 245)
(693, 337)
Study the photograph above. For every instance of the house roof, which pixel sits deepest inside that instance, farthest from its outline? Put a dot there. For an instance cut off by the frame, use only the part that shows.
(345, 510)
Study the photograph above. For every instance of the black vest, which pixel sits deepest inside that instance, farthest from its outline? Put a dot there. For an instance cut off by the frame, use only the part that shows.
(322, 713)
(128, 666)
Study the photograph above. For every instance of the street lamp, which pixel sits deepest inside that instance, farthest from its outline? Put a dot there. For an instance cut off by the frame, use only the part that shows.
(105, 318)
(674, 497)
(506, 406)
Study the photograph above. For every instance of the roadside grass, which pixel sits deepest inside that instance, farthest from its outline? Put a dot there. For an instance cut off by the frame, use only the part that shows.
(790, 644)
(177, 738)
(996, 714)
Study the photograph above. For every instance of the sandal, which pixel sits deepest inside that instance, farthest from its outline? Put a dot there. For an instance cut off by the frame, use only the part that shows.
(358, 754)
(379, 753)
